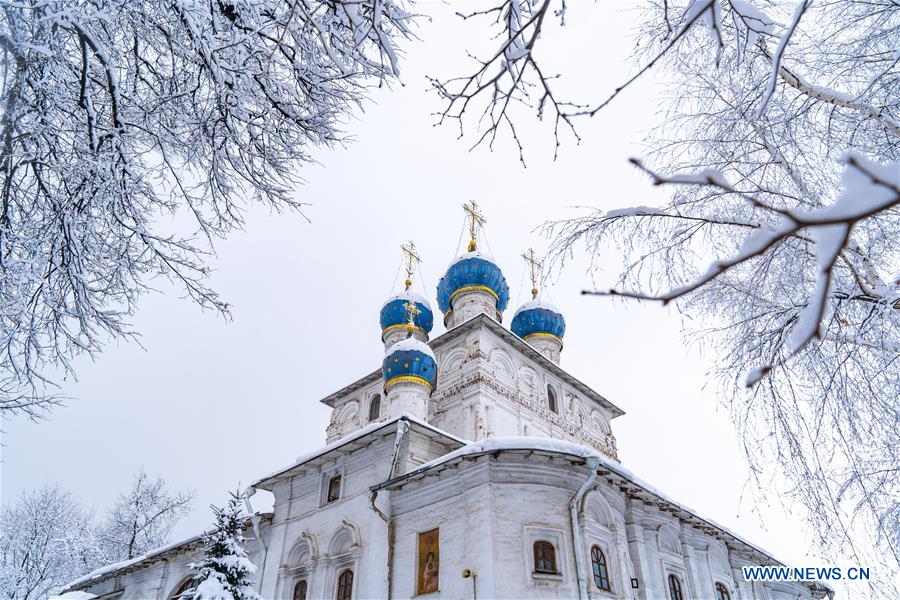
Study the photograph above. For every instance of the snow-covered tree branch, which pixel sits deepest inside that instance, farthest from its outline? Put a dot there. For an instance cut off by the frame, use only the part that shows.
(118, 117)
(142, 518)
(45, 540)
(780, 145)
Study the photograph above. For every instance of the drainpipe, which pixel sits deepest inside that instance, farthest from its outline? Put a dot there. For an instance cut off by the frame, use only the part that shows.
(254, 519)
(390, 541)
(160, 593)
(402, 428)
(592, 463)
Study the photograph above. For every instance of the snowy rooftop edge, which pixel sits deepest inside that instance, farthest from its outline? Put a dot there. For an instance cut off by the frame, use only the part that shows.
(73, 596)
(124, 564)
(489, 445)
(66, 592)
(352, 437)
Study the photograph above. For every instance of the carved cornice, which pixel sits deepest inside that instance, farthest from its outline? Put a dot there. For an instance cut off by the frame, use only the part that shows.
(535, 404)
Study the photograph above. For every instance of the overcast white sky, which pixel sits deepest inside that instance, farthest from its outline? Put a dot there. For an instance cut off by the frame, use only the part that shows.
(210, 404)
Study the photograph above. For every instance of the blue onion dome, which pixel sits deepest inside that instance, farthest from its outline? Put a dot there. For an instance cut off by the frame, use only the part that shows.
(409, 360)
(538, 318)
(473, 271)
(394, 314)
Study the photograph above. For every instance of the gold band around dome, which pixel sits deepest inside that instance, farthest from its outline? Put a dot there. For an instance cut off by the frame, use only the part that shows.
(475, 288)
(407, 379)
(540, 334)
(387, 330)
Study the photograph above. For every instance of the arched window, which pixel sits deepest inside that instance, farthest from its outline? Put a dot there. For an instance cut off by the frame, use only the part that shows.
(183, 588)
(551, 399)
(722, 592)
(675, 588)
(374, 407)
(300, 590)
(601, 572)
(345, 585)
(544, 557)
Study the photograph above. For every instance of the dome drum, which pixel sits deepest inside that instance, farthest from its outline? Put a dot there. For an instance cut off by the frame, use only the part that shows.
(469, 303)
(410, 374)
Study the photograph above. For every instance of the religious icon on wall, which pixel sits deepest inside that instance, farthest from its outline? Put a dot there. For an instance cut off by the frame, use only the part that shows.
(429, 561)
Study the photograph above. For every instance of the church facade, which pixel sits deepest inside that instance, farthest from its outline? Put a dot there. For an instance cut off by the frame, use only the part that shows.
(469, 466)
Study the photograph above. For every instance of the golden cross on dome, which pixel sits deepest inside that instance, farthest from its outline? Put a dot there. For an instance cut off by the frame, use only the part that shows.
(477, 220)
(412, 310)
(412, 259)
(535, 266)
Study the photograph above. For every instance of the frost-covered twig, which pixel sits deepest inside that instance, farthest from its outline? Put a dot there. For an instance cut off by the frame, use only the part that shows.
(120, 116)
(869, 189)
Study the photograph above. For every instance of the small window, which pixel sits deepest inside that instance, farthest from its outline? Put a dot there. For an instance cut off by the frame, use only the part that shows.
(345, 585)
(601, 572)
(334, 489)
(375, 407)
(300, 590)
(544, 557)
(186, 586)
(722, 592)
(675, 588)
(551, 399)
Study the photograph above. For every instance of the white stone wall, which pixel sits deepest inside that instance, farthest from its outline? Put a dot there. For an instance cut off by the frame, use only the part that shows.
(489, 509)
(351, 413)
(488, 388)
(314, 540)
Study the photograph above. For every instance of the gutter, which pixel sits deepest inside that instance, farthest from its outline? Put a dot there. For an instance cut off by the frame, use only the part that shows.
(254, 519)
(402, 428)
(592, 463)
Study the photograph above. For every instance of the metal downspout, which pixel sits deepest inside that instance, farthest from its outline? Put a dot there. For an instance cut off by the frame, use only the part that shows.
(160, 593)
(592, 463)
(402, 428)
(254, 519)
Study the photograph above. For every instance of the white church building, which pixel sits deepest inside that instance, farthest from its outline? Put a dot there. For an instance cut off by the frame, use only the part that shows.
(471, 465)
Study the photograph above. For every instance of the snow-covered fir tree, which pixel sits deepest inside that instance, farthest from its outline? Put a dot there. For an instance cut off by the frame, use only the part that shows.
(225, 572)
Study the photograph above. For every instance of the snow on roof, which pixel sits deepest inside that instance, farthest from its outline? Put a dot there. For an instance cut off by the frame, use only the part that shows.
(408, 295)
(570, 448)
(122, 564)
(513, 443)
(410, 344)
(359, 433)
(537, 303)
(79, 595)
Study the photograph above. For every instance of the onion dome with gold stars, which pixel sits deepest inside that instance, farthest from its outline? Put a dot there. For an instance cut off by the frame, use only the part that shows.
(410, 360)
